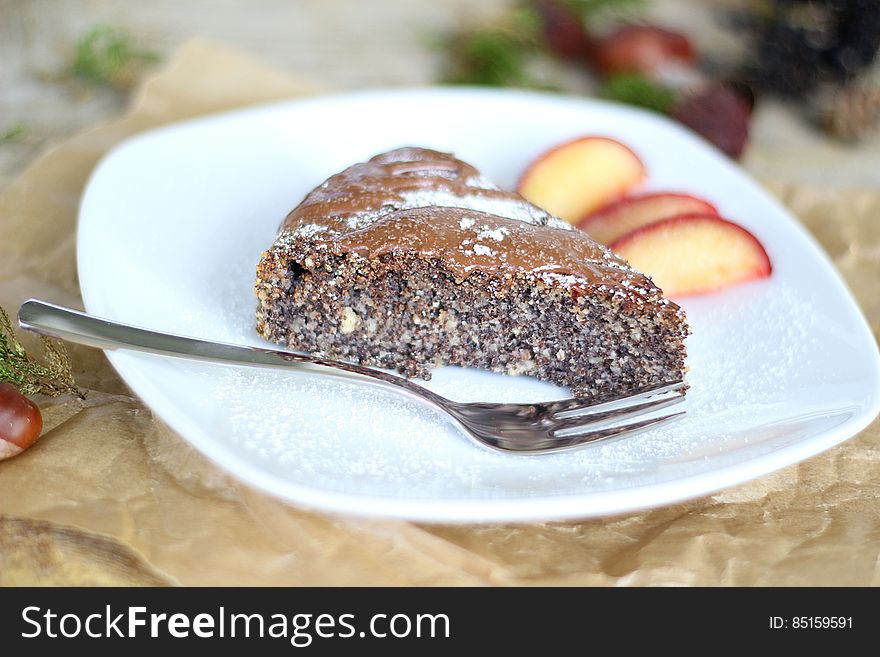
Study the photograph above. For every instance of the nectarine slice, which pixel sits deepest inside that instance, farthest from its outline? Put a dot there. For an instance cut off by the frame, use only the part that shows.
(625, 215)
(574, 178)
(694, 254)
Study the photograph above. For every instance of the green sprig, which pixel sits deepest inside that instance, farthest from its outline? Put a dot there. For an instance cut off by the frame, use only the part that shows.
(53, 377)
(639, 91)
(107, 56)
(593, 9)
(495, 55)
(14, 133)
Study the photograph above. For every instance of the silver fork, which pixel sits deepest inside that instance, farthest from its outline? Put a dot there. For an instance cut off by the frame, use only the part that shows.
(518, 428)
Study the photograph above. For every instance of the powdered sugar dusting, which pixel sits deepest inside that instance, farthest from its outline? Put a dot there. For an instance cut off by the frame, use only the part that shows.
(310, 230)
(363, 219)
(481, 182)
(341, 435)
(498, 234)
(500, 206)
(567, 280)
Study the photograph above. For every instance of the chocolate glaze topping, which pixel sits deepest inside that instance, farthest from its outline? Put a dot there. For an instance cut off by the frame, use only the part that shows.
(414, 199)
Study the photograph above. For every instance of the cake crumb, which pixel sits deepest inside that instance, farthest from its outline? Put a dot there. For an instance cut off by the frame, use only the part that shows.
(349, 320)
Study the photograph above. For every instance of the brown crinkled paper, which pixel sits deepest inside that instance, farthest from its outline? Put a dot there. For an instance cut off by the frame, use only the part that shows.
(109, 495)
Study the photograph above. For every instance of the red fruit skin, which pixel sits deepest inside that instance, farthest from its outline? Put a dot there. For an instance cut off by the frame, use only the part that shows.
(20, 422)
(641, 49)
(720, 115)
(563, 30)
(614, 206)
(764, 270)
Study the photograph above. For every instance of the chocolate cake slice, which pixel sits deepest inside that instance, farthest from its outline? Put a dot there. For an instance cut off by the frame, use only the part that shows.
(414, 260)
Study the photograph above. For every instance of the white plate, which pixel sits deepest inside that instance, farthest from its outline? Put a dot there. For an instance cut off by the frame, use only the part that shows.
(173, 223)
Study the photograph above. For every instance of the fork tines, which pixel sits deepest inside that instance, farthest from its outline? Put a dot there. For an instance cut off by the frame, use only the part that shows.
(569, 407)
(592, 435)
(602, 420)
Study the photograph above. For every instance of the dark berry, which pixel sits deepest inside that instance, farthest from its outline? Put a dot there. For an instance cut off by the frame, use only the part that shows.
(563, 29)
(719, 115)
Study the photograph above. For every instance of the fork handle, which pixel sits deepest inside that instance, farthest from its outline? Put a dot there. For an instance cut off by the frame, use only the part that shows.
(82, 328)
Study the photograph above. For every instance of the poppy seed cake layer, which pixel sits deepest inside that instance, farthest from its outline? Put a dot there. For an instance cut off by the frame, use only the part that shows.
(413, 260)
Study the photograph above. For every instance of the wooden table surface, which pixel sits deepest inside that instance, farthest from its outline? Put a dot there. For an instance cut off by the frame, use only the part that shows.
(337, 44)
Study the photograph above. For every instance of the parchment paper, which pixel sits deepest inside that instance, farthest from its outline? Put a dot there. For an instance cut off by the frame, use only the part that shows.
(111, 496)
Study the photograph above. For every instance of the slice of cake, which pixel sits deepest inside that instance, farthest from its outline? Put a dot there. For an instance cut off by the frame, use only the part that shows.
(414, 260)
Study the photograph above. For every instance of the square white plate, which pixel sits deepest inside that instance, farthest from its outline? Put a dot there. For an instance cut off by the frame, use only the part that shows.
(173, 222)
